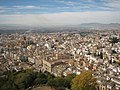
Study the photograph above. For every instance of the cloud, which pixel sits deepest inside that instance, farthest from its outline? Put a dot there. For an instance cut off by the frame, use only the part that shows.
(25, 19)
(29, 7)
(1, 8)
(64, 18)
(4, 8)
(2, 11)
(69, 3)
(87, 5)
(102, 4)
(23, 9)
(89, 1)
(67, 12)
(114, 4)
(63, 6)
(85, 17)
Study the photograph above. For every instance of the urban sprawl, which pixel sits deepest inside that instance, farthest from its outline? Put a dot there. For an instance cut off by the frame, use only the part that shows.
(64, 53)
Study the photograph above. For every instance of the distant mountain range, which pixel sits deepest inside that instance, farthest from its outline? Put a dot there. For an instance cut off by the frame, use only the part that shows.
(89, 26)
(100, 26)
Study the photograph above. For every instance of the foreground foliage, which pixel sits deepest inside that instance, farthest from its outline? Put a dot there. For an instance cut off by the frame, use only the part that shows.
(28, 78)
(84, 81)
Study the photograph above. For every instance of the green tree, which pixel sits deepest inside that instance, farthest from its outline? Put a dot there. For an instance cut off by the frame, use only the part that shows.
(56, 82)
(101, 55)
(2, 81)
(9, 85)
(68, 80)
(114, 40)
(51, 83)
(84, 81)
(41, 79)
(24, 79)
(17, 80)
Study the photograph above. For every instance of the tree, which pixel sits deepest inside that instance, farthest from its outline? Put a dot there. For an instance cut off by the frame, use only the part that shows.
(68, 80)
(1, 50)
(9, 85)
(41, 79)
(56, 82)
(101, 55)
(84, 81)
(24, 79)
(51, 83)
(2, 81)
(114, 40)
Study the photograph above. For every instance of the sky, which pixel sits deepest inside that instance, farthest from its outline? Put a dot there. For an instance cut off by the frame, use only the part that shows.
(59, 12)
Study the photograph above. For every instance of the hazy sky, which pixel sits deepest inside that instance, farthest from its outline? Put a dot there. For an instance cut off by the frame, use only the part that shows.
(59, 12)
